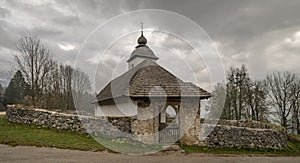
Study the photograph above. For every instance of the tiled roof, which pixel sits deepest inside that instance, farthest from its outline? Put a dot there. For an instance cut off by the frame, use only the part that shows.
(149, 79)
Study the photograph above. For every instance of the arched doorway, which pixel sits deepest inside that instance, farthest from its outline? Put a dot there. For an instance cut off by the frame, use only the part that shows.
(169, 124)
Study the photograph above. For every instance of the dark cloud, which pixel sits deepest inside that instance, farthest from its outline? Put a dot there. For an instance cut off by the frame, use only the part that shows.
(235, 24)
(245, 32)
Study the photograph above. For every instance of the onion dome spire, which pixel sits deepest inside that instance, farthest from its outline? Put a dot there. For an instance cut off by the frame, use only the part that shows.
(141, 51)
(142, 40)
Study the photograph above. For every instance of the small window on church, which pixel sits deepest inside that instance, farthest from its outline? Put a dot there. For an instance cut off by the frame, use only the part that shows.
(132, 65)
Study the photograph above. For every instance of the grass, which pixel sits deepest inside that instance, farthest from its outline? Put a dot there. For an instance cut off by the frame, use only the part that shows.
(293, 149)
(129, 146)
(21, 134)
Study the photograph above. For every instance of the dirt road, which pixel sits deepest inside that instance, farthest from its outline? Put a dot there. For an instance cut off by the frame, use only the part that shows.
(36, 154)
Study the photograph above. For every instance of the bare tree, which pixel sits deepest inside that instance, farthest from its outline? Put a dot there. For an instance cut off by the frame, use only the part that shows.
(80, 82)
(66, 86)
(237, 80)
(256, 107)
(280, 94)
(51, 84)
(244, 99)
(217, 102)
(295, 126)
(50, 97)
(81, 88)
(33, 60)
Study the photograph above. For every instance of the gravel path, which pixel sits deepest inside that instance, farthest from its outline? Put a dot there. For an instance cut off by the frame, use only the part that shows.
(36, 154)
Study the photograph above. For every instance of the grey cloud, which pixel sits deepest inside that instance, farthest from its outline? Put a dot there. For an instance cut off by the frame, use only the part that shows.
(4, 12)
(47, 33)
(243, 29)
(68, 20)
(234, 23)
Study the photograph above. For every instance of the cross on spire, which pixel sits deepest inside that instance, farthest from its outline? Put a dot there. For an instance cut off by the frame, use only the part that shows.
(142, 28)
(142, 41)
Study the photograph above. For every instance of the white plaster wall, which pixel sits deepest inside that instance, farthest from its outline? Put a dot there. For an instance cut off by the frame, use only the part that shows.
(120, 110)
(135, 62)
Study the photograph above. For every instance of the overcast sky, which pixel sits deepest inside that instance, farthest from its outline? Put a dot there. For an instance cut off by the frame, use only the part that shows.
(263, 34)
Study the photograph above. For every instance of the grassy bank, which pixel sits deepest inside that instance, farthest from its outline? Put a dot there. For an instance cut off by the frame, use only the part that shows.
(22, 134)
(19, 134)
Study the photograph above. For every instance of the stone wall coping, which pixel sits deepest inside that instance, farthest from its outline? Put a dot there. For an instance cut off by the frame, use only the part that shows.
(51, 112)
(248, 128)
(262, 125)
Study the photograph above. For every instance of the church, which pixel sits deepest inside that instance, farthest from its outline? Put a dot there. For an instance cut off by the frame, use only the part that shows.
(158, 102)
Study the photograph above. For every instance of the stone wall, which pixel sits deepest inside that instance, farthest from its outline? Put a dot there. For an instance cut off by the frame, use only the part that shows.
(122, 123)
(237, 134)
(243, 137)
(96, 126)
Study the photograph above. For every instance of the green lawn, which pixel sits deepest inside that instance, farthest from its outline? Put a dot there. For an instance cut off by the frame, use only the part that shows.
(18, 134)
(22, 134)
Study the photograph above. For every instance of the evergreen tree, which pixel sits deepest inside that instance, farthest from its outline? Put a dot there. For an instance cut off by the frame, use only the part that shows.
(1, 88)
(16, 90)
(1, 97)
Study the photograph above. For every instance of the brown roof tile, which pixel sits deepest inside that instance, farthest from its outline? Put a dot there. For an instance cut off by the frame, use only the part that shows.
(149, 79)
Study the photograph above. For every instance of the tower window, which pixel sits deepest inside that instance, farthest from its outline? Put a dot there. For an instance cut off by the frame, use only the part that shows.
(132, 65)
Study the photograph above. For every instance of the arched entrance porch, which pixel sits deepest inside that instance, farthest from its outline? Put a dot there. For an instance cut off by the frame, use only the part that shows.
(169, 123)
